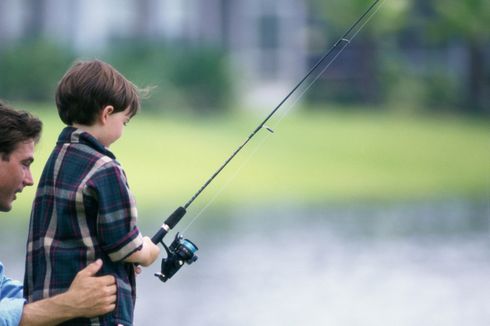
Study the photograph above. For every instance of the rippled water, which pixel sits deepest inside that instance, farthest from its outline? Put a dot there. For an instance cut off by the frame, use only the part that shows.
(406, 264)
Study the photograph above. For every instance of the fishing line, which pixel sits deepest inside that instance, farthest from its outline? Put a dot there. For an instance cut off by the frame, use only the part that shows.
(344, 38)
(183, 250)
(227, 183)
(346, 41)
(183, 247)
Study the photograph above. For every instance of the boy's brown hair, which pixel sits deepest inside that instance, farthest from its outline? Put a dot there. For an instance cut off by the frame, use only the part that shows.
(88, 87)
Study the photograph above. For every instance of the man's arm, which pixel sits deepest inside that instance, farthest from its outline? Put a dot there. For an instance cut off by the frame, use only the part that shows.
(88, 296)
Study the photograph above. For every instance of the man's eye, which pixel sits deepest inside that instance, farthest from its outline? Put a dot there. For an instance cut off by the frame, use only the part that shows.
(27, 163)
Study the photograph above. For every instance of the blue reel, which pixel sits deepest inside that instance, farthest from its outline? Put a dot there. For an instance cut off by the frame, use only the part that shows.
(179, 252)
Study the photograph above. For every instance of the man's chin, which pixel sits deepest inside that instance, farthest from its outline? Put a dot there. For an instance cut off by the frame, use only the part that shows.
(5, 207)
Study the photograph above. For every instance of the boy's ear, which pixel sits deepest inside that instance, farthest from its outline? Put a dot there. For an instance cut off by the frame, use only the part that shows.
(105, 113)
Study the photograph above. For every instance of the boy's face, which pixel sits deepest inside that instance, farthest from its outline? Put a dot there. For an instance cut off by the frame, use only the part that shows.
(15, 174)
(115, 125)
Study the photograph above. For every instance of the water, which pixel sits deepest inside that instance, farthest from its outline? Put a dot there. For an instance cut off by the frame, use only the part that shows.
(406, 264)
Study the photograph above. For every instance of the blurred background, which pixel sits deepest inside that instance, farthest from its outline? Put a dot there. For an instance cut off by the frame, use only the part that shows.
(368, 205)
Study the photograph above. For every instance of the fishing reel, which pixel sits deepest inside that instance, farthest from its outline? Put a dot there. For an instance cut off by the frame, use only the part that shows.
(179, 252)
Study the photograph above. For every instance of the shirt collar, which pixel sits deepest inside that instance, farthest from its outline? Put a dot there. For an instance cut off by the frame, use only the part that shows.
(77, 136)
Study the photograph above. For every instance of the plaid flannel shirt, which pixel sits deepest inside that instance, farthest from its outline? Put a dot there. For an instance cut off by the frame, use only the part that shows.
(83, 211)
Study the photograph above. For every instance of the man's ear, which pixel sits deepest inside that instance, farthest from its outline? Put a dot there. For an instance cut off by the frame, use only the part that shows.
(105, 113)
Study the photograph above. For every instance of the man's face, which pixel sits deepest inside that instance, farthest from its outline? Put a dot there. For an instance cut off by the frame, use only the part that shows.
(15, 173)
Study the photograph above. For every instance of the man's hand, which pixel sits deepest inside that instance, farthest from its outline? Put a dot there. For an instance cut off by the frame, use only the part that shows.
(92, 296)
(88, 296)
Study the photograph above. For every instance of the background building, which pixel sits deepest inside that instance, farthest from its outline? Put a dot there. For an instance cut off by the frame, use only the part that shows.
(264, 39)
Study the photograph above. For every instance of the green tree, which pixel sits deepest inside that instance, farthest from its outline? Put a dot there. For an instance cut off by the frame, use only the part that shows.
(386, 20)
(468, 20)
(30, 70)
(185, 78)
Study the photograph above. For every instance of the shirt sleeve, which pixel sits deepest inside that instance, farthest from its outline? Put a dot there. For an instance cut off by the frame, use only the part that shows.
(11, 300)
(117, 232)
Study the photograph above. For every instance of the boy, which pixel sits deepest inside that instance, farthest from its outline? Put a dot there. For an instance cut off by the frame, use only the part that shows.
(83, 208)
(88, 295)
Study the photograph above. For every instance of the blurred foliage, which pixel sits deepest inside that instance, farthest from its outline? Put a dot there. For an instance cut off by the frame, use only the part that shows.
(196, 79)
(432, 55)
(407, 87)
(468, 21)
(30, 70)
(357, 77)
(390, 18)
(192, 78)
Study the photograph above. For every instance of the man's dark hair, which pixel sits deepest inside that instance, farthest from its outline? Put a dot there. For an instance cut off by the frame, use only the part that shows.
(16, 126)
(88, 87)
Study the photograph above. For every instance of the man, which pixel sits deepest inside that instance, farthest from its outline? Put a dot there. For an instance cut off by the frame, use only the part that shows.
(88, 296)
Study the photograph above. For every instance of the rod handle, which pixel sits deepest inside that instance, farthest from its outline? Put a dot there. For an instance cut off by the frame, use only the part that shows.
(169, 224)
(175, 217)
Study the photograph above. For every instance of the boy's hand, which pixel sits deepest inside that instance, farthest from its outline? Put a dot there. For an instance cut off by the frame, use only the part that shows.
(146, 255)
(137, 269)
(152, 249)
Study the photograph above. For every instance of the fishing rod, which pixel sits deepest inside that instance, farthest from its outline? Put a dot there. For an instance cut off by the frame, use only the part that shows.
(183, 250)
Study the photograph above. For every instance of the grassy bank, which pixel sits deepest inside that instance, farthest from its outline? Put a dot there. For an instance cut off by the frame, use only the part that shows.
(311, 158)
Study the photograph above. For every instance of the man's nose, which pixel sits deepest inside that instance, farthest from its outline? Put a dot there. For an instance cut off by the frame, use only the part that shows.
(28, 180)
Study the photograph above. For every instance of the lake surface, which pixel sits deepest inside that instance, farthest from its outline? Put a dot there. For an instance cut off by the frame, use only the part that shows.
(399, 264)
